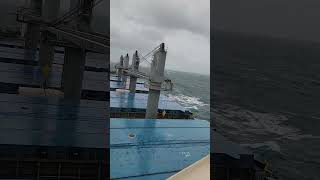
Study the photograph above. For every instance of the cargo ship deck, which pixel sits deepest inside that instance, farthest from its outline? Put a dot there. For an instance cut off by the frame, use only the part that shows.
(48, 135)
(44, 136)
(143, 148)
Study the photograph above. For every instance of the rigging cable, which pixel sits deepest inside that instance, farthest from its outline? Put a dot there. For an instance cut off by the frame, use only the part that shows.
(145, 57)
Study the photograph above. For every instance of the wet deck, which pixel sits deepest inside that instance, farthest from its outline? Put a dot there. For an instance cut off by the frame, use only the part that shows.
(45, 136)
(49, 121)
(156, 149)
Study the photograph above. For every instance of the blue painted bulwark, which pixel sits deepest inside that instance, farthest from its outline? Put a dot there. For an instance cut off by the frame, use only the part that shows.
(156, 149)
(124, 104)
(119, 85)
(115, 78)
(139, 101)
(13, 53)
(30, 75)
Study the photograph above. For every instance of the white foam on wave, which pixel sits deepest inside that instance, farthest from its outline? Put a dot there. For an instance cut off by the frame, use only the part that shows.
(245, 122)
(187, 101)
(192, 107)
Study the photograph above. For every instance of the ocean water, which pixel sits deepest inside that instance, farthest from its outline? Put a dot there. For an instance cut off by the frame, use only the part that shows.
(271, 106)
(192, 91)
(274, 117)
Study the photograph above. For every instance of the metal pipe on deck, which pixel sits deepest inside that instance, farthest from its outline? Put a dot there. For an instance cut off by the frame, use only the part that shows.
(135, 68)
(156, 79)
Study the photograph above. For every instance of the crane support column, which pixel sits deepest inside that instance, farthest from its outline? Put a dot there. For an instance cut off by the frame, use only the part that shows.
(73, 68)
(135, 67)
(120, 69)
(156, 79)
(32, 34)
(74, 62)
(125, 66)
(46, 53)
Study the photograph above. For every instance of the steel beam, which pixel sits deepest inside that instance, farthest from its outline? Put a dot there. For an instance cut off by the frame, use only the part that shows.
(80, 40)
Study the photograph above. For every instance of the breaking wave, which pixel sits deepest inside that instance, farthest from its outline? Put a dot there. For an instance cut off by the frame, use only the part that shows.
(187, 101)
(268, 125)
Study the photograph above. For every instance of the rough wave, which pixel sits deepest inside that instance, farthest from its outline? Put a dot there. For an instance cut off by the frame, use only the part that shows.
(187, 101)
(244, 122)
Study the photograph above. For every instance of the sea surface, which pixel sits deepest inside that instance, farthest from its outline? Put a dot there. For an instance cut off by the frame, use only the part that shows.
(192, 91)
(270, 104)
(271, 111)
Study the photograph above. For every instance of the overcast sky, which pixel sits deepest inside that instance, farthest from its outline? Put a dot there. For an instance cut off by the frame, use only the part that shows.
(296, 19)
(184, 26)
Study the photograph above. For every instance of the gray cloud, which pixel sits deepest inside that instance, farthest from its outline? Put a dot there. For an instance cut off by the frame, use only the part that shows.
(182, 25)
(284, 18)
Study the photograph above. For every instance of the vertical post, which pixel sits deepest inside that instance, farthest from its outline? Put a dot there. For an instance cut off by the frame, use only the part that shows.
(86, 8)
(32, 34)
(74, 62)
(156, 78)
(135, 68)
(46, 53)
(59, 171)
(120, 69)
(73, 69)
(126, 62)
(246, 166)
(125, 67)
(73, 4)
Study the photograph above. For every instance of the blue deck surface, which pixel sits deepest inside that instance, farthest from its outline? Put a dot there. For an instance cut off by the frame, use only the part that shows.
(50, 121)
(156, 149)
(139, 101)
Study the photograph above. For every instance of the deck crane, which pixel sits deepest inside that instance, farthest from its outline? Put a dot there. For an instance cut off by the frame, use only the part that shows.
(156, 79)
(70, 31)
